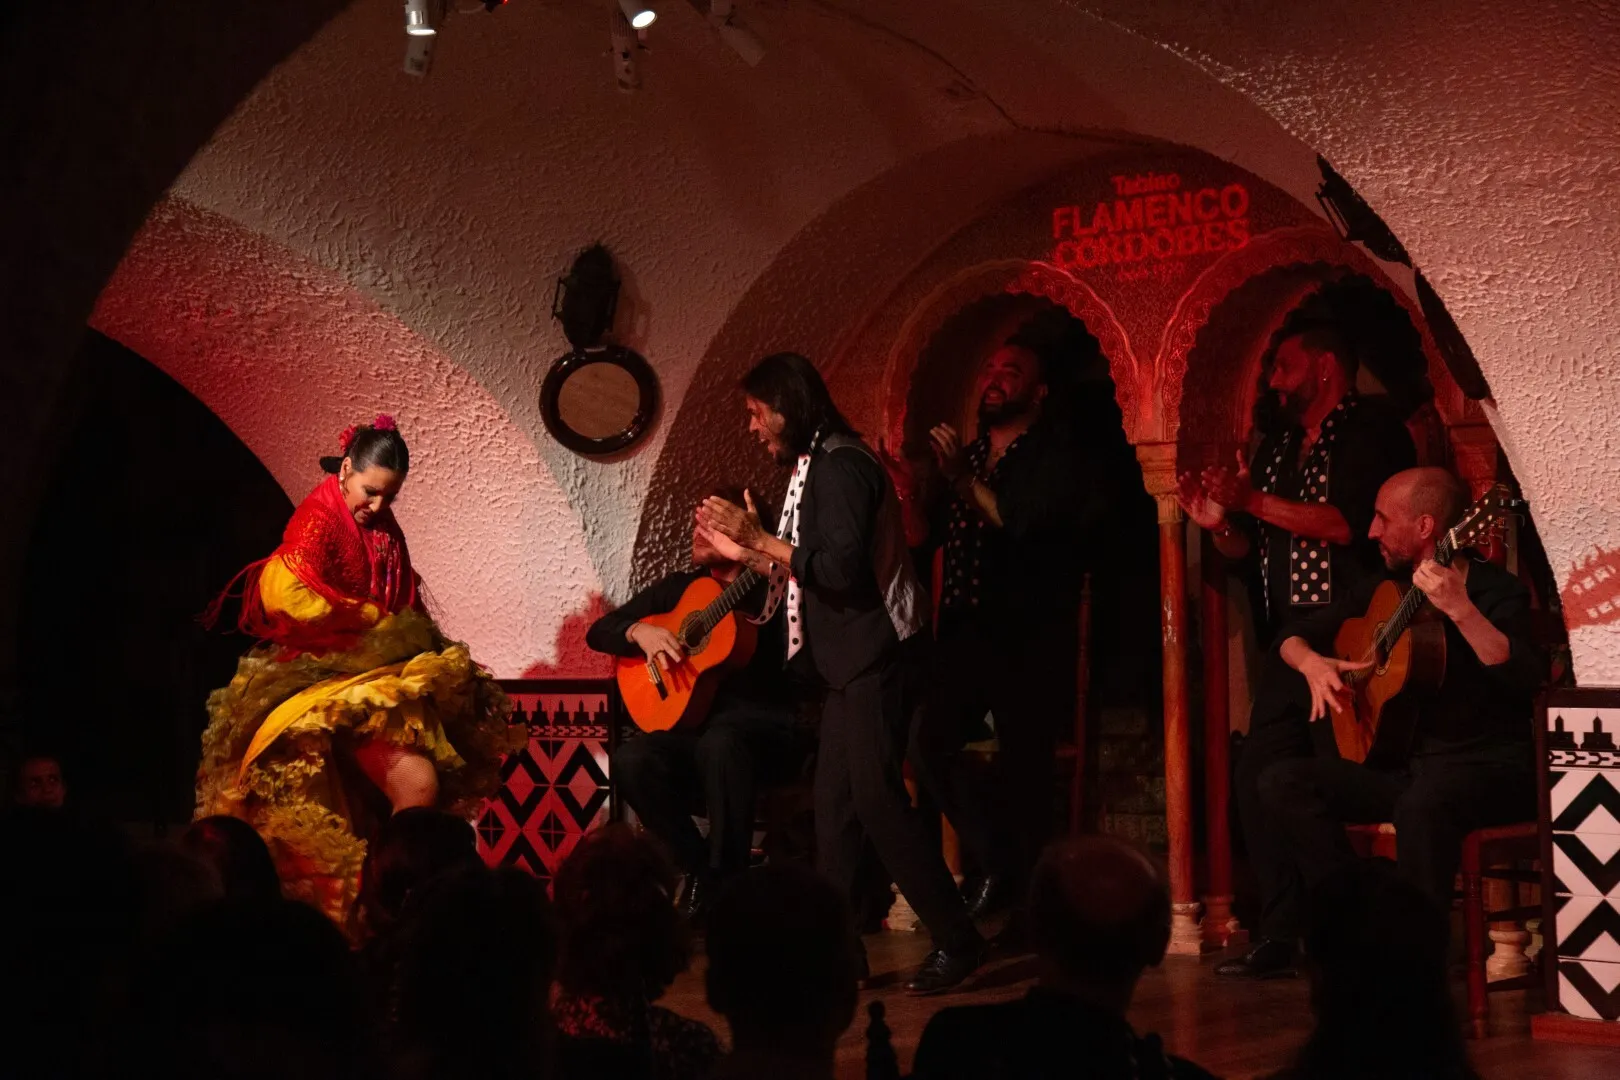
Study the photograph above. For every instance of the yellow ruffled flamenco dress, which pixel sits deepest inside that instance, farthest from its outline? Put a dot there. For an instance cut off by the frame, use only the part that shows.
(278, 750)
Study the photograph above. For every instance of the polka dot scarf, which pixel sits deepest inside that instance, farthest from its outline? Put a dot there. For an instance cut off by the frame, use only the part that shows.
(964, 540)
(781, 580)
(1310, 564)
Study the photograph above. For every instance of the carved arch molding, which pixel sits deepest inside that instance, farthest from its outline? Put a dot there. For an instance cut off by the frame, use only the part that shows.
(1149, 394)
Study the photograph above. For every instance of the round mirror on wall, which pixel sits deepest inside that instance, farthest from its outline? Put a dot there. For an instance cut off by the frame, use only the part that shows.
(599, 401)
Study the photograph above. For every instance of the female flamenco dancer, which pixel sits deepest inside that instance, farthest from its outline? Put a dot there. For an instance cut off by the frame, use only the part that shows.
(352, 704)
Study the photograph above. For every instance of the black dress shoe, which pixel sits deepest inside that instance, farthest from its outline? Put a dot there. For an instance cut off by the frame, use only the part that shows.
(696, 902)
(988, 895)
(945, 968)
(1269, 959)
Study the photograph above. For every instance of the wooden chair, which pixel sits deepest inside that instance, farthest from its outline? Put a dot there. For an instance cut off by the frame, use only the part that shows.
(1486, 854)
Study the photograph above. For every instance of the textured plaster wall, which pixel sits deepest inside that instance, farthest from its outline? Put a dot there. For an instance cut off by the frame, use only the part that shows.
(289, 355)
(1484, 133)
(758, 208)
(455, 201)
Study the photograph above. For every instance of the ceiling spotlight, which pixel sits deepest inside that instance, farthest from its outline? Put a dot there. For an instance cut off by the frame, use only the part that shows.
(639, 15)
(420, 18)
(723, 19)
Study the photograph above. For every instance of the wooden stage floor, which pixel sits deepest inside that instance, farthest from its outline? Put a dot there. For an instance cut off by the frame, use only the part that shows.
(1235, 1030)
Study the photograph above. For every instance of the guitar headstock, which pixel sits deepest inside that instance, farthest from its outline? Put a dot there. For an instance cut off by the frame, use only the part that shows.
(1488, 516)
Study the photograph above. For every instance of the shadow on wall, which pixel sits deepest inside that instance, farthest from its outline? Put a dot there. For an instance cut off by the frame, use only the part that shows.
(149, 510)
(575, 660)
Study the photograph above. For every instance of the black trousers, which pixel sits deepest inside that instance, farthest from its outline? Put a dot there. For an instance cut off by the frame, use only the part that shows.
(1025, 678)
(717, 769)
(1433, 803)
(1281, 740)
(860, 794)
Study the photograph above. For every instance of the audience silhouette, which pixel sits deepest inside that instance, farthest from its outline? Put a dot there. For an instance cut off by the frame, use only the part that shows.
(1099, 915)
(783, 964)
(624, 940)
(1376, 950)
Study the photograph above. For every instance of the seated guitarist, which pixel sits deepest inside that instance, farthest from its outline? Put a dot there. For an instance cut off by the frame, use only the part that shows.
(1470, 762)
(752, 737)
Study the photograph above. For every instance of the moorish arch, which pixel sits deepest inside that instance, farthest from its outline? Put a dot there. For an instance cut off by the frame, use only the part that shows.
(1000, 277)
(1287, 248)
(288, 354)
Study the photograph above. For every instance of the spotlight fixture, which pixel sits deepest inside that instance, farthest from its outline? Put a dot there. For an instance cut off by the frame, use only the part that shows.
(624, 52)
(723, 19)
(639, 15)
(421, 18)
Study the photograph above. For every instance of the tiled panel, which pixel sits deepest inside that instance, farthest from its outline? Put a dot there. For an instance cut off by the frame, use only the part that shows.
(1587, 864)
(1585, 800)
(1589, 928)
(1589, 988)
(554, 790)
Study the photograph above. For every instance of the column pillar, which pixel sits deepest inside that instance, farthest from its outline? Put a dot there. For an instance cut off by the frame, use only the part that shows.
(1158, 473)
(1221, 928)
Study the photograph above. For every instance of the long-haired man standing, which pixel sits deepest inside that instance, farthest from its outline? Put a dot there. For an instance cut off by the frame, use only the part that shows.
(855, 613)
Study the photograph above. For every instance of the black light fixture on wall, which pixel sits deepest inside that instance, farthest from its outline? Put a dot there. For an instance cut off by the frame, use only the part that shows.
(597, 399)
(1354, 219)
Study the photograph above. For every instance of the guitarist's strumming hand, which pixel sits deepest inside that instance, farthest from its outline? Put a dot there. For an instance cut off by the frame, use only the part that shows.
(1323, 674)
(661, 646)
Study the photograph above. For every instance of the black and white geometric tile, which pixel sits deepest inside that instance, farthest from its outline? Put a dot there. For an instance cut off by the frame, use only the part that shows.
(1583, 786)
(1589, 988)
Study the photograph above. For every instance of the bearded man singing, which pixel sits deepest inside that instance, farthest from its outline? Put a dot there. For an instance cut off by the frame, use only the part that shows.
(1015, 524)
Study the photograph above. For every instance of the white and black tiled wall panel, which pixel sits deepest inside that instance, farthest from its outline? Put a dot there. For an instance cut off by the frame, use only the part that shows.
(1583, 795)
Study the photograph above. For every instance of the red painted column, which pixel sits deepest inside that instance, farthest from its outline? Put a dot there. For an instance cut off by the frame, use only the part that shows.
(1220, 927)
(1159, 477)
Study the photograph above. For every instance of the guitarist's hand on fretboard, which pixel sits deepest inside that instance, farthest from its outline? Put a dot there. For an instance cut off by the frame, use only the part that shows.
(661, 646)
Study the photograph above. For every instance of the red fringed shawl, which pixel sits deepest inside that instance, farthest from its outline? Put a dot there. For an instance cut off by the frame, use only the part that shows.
(346, 565)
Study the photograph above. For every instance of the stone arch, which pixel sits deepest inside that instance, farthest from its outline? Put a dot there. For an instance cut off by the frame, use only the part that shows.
(1296, 246)
(1011, 276)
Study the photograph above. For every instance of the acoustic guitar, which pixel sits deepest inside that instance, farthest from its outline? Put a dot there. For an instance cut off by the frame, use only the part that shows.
(1405, 638)
(717, 641)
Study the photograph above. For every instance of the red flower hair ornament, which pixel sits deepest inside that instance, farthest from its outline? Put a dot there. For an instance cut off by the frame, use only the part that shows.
(384, 422)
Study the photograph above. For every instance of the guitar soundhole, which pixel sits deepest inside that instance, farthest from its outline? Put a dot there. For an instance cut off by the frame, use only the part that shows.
(692, 636)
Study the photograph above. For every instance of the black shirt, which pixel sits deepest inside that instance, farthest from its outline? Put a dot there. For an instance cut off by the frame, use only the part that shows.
(1370, 445)
(760, 684)
(1046, 1035)
(860, 593)
(1028, 572)
(1476, 707)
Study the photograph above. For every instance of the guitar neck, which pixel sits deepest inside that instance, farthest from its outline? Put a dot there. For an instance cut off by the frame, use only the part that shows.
(1411, 603)
(729, 598)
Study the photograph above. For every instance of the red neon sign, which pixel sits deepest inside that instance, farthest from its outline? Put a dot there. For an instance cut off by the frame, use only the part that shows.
(1151, 218)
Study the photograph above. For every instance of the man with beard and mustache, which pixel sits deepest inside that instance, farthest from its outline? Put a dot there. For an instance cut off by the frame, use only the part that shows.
(1471, 763)
(1016, 529)
(1305, 513)
(839, 568)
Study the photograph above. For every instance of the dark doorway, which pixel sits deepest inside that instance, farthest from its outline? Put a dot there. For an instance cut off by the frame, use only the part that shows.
(151, 508)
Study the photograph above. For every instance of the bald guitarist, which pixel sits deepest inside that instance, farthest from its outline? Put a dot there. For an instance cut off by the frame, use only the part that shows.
(1470, 762)
(751, 738)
